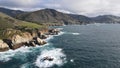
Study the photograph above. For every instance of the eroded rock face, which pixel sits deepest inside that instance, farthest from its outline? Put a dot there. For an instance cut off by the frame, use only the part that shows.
(19, 41)
(3, 46)
(40, 41)
(25, 37)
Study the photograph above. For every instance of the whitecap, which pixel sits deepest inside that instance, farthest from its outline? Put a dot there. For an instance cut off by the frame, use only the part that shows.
(76, 33)
(59, 58)
(71, 60)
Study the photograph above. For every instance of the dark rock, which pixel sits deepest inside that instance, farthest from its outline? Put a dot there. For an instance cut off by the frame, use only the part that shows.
(16, 46)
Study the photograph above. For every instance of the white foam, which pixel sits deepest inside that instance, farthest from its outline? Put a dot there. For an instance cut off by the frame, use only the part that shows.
(52, 36)
(6, 56)
(61, 33)
(76, 33)
(59, 58)
(71, 60)
(60, 29)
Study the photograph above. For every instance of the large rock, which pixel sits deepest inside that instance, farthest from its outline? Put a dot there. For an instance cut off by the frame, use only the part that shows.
(19, 40)
(3, 46)
(30, 43)
(42, 33)
(54, 31)
(16, 39)
(40, 41)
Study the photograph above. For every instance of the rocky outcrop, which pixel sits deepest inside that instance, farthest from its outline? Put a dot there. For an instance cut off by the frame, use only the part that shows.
(26, 39)
(18, 41)
(39, 41)
(54, 31)
(3, 46)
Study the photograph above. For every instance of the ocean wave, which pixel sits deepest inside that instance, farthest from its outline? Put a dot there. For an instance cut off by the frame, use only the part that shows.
(76, 33)
(61, 33)
(6, 56)
(73, 33)
(59, 58)
(52, 36)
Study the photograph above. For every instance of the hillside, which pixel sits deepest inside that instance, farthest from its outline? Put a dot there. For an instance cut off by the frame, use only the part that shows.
(82, 18)
(107, 19)
(51, 16)
(48, 16)
(10, 12)
(7, 22)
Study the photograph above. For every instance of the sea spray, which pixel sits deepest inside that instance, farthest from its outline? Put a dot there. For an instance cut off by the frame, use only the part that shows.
(59, 58)
(22, 54)
(6, 56)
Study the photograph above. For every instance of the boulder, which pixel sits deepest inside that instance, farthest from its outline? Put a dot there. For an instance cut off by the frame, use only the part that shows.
(40, 41)
(54, 31)
(18, 41)
(43, 36)
(32, 43)
(3, 46)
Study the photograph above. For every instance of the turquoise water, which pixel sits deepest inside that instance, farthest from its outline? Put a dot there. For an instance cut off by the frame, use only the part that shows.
(83, 46)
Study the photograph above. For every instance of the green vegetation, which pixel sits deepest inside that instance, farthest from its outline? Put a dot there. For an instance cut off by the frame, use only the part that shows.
(10, 26)
(30, 25)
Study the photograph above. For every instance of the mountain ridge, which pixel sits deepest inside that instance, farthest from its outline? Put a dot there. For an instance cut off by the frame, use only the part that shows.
(53, 16)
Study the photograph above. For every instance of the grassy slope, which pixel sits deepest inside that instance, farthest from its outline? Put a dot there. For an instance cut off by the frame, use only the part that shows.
(7, 22)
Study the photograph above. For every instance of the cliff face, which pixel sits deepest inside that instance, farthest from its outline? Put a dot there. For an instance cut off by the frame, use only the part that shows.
(18, 38)
(3, 46)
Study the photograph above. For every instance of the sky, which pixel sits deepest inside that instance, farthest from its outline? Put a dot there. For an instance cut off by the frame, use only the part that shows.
(82, 7)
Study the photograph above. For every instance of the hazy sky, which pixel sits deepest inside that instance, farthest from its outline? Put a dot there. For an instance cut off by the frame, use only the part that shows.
(84, 7)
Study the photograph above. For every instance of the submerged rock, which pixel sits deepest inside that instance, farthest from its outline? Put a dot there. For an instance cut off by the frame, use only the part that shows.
(3, 46)
(47, 58)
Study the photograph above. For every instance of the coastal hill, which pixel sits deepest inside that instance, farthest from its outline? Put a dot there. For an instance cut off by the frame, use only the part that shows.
(48, 16)
(51, 16)
(10, 12)
(10, 22)
(107, 19)
(7, 22)
(15, 33)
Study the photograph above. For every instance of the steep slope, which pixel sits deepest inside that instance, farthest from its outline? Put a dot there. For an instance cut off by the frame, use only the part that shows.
(10, 12)
(48, 16)
(82, 18)
(107, 19)
(10, 22)
(7, 22)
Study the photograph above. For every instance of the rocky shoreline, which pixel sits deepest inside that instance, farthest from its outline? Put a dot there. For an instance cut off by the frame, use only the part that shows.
(30, 39)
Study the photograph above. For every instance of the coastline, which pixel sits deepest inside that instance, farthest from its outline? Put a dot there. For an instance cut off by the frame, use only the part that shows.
(42, 51)
(30, 40)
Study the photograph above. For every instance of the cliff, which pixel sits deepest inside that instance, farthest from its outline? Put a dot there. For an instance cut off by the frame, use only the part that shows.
(32, 38)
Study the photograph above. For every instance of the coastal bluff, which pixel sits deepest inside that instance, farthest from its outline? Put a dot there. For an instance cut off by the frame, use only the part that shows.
(30, 38)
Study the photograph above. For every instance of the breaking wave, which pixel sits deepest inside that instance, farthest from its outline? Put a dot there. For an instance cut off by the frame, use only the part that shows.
(76, 33)
(6, 56)
(59, 58)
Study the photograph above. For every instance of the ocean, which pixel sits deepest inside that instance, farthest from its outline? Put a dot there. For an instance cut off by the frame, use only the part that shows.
(77, 46)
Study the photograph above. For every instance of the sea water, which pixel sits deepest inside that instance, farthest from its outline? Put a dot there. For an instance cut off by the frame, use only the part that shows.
(77, 46)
